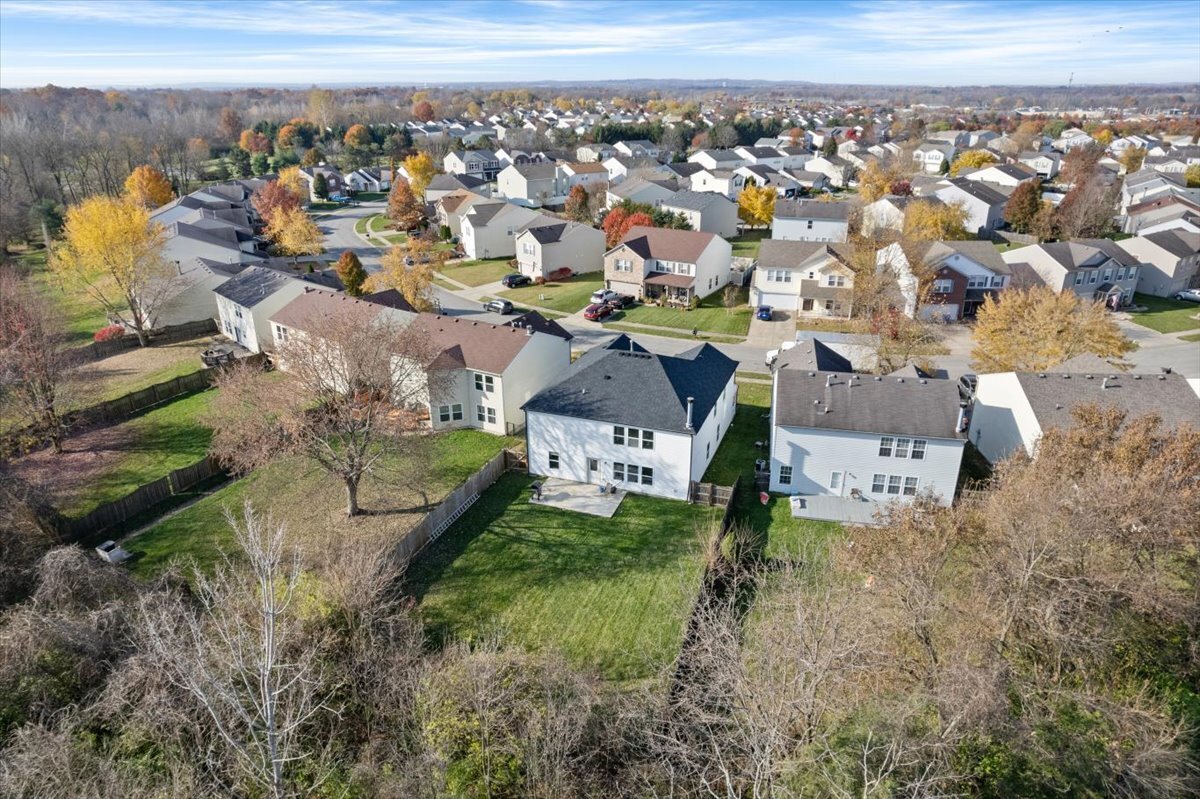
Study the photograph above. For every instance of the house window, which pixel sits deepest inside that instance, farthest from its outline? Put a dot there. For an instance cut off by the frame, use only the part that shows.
(484, 414)
(785, 475)
(527, 248)
(1132, 272)
(484, 382)
(619, 435)
(1079, 276)
(997, 282)
(634, 437)
(552, 460)
(623, 265)
(943, 286)
(918, 450)
(1108, 274)
(281, 334)
(810, 224)
(779, 276)
(1094, 276)
(237, 312)
(835, 480)
(910, 486)
(450, 413)
(647, 476)
(647, 439)
(877, 483)
(894, 484)
(618, 472)
(836, 280)
(708, 450)
(885, 446)
(902, 447)
(1121, 274)
(830, 305)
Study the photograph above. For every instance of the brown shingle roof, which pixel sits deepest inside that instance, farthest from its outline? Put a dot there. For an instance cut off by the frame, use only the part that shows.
(668, 245)
(314, 305)
(472, 344)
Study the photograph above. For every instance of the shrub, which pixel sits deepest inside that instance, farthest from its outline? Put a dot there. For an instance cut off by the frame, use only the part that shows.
(109, 332)
(560, 274)
(539, 281)
(444, 232)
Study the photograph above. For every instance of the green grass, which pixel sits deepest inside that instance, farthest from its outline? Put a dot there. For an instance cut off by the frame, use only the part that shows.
(370, 196)
(161, 440)
(324, 206)
(1190, 337)
(480, 272)
(132, 371)
(394, 238)
(567, 296)
(379, 224)
(611, 594)
(81, 315)
(752, 375)
(1166, 315)
(710, 316)
(669, 333)
(311, 503)
(747, 244)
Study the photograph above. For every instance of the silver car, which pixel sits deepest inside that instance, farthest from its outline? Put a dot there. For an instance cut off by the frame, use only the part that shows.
(1189, 295)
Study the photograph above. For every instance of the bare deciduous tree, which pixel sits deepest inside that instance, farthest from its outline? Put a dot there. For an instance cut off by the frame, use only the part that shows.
(33, 363)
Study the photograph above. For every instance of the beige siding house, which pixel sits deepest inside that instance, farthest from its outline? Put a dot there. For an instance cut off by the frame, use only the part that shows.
(669, 266)
(542, 251)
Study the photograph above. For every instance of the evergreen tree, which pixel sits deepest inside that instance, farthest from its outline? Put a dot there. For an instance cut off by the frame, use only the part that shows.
(350, 271)
(321, 186)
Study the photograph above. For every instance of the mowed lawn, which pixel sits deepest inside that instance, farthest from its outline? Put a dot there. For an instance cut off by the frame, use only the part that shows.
(710, 316)
(1166, 315)
(610, 594)
(567, 296)
(478, 273)
(133, 370)
(747, 244)
(312, 504)
(80, 314)
(106, 463)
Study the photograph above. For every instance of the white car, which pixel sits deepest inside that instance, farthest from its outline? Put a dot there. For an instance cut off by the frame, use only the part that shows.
(602, 296)
(1189, 295)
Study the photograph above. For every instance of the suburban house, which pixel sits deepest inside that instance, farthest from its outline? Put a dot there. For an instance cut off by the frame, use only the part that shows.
(984, 203)
(1070, 139)
(887, 213)
(620, 167)
(1168, 212)
(189, 297)
(727, 182)
(481, 164)
(808, 278)
(585, 174)
(453, 206)
(247, 301)
(836, 169)
(1013, 409)
(785, 184)
(544, 250)
(707, 211)
(1095, 269)
(307, 310)
(1170, 261)
(369, 179)
(673, 266)
(492, 371)
(847, 444)
(811, 220)
(645, 190)
(1147, 184)
(764, 156)
(931, 155)
(589, 153)
(488, 229)
(441, 185)
(1008, 176)
(638, 148)
(717, 159)
(334, 182)
(963, 273)
(1045, 164)
(533, 185)
(645, 423)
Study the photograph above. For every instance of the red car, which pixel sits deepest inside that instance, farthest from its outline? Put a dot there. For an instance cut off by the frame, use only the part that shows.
(597, 311)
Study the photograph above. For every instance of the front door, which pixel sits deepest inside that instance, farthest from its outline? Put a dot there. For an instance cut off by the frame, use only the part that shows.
(807, 305)
(593, 470)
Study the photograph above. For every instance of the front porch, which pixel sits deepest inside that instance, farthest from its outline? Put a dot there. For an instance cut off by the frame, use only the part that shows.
(669, 289)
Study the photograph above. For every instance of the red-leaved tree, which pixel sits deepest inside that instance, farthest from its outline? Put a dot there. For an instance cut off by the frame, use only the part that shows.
(619, 222)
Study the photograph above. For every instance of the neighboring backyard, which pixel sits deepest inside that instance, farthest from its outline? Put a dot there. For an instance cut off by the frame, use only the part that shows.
(1166, 315)
(567, 296)
(80, 314)
(479, 273)
(710, 316)
(132, 370)
(106, 463)
(610, 594)
(312, 504)
(747, 244)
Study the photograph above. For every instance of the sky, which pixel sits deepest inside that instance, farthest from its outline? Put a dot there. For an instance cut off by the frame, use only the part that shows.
(130, 43)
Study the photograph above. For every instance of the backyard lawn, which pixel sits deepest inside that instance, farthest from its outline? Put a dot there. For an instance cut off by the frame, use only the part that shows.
(312, 504)
(610, 594)
(567, 296)
(1166, 315)
(747, 244)
(81, 315)
(133, 370)
(480, 272)
(710, 316)
(106, 463)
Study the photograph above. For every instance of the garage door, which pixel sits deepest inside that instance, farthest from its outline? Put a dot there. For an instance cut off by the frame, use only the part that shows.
(778, 301)
(938, 311)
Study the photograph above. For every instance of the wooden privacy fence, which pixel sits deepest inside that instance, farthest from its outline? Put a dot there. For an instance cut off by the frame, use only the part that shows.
(140, 500)
(455, 505)
(99, 350)
(710, 494)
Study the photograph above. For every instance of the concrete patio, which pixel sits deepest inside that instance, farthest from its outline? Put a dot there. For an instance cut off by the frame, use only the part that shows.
(834, 509)
(579, 497)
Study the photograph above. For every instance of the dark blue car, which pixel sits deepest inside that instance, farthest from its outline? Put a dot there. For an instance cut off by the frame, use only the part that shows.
(764, 313)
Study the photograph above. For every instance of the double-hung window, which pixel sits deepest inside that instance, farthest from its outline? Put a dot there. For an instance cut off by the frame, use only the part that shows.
(618, 471)
(633, 437)
(552, 460)
(835, 481)
(450, 413)
(619, 435)
(910, 486)
(886, 443)
(484, 382)
(785, 475)
(877, 483)
(484, 414)
(902, 445)
(894, 484)
(943, 286)
(918, 449)
(1079, 278)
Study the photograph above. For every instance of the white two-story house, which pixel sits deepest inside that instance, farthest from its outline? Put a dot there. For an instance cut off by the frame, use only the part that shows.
(489, 228)
(246, 302)
(533, 185)
(805, 278)
(645, 423)
(811, 220)
(849, 443)
(482, 164)
(670, 266)
(548, 249)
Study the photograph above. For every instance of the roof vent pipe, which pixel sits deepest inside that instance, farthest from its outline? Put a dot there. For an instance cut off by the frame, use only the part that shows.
(691, 401)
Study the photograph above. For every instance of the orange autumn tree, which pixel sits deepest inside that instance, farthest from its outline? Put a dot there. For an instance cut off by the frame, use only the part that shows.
(618, 222)
(149, 187)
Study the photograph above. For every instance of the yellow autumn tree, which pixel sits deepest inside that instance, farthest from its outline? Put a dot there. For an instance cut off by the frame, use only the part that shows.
(149, 187)
(972, 159)
(409, 268)
(114, 254)
(756, 205)
(295, 234)
(873, 182)
(290, 179)
(1035, 329)
(420, 171)
(931, 220)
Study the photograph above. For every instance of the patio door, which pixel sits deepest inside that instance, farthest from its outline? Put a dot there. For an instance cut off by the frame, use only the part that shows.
(593, 471)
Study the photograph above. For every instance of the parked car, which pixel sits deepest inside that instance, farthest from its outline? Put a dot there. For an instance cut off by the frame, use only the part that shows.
(1189, 295)
(763, 313)
(966, 387)
(601, 296)
(514, 280)
(498, 306)
(621, 301)
(597, 311)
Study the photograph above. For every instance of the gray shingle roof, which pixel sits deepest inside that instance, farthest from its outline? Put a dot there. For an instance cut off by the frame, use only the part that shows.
(980, 190)
(252, 285)
(811, 209)
(1074, 254)
(1053, 396)
(1180, 243)
(866, 404)
(548, 234)
(812, 354)
(786, 254)
(640, 389)
(695, 200)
